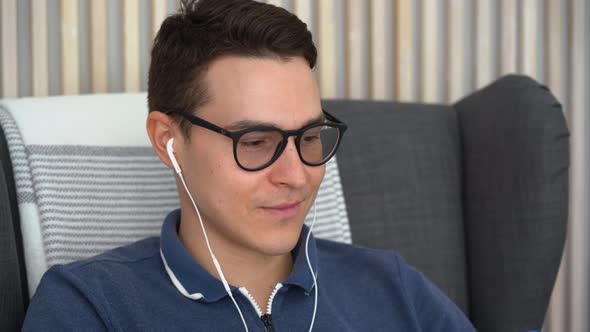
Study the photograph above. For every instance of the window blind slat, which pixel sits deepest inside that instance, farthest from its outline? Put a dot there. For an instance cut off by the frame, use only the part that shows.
(530, 57)
(39, 52)
(406, 54)
(70, 64)
(131, 45)
(159, 12)
(327, 49)
(98, 46)
(356, 49)
(457, 49)
(381, 71)
(509, 36)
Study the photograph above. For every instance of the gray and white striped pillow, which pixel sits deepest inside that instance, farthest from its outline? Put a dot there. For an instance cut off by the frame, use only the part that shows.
(86, 185)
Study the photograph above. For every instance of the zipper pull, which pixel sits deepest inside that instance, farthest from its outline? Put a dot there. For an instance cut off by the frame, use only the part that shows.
(267, 321)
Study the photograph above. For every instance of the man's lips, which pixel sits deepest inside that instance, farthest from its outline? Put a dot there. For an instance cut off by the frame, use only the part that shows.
(284, 210)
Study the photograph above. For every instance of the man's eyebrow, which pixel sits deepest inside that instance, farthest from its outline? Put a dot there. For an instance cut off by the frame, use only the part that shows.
(243, 124)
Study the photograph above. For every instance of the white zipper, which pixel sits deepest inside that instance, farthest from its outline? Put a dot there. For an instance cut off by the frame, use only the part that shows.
(272, 296)
(250, 298)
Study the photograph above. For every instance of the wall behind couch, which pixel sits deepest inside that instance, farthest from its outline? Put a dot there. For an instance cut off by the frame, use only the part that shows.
(405, 50)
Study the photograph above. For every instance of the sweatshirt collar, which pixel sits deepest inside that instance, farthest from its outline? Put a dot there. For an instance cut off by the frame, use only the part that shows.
(196, 283)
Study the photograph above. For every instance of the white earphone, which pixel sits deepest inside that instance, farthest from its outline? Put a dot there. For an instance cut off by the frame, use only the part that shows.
(178, 170)
(170, 150)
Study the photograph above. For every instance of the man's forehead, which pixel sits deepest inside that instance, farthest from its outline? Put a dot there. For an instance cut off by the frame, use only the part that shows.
(245, 92)
(233, 79)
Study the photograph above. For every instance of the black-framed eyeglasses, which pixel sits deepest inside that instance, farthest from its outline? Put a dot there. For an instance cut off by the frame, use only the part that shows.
(256, 148)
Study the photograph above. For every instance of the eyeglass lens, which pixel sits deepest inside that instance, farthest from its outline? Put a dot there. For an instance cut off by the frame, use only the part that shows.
(316, 146)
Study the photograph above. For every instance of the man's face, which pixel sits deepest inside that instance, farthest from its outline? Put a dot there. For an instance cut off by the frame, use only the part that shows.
(263, 211)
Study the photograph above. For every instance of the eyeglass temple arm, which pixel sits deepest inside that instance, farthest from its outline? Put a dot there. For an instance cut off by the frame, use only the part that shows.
(200, 122)
(333, 118)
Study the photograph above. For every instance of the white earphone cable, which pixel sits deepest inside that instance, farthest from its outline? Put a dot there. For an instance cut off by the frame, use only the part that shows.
(315, 285)
(215, 261)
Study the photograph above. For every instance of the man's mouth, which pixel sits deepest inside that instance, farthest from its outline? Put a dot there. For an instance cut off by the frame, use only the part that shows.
(284, 210)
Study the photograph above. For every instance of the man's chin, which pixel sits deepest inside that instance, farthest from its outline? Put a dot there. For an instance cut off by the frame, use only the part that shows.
(281, 242)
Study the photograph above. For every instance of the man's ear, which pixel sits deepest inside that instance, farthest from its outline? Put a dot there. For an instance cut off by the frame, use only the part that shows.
(161, 128)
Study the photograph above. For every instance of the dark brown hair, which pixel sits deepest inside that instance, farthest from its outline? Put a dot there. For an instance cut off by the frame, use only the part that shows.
(205, 30)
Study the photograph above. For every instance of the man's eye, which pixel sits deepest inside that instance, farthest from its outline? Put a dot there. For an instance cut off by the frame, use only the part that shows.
(253, 143)
(311, 138)
(259, 143)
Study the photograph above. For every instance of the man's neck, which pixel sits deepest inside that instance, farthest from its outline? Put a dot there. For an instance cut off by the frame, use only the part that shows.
(242, 268)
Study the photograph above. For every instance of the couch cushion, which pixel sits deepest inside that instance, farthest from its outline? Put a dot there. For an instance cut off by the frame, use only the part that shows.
(401, 172)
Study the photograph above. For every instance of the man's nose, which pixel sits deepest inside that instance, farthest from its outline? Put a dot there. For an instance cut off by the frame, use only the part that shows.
(289, 169)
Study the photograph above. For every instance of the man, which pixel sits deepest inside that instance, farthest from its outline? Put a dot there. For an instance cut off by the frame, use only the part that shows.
(235, 111)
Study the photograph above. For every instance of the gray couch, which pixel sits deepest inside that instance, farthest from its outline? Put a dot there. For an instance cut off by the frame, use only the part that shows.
(473, 194)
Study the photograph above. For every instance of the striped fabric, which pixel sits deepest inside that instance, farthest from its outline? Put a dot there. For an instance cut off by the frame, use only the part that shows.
(78, 200)
(92, 199)
(331, 217)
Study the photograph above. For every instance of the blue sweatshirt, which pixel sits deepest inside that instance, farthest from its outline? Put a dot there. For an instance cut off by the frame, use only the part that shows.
(155, 285)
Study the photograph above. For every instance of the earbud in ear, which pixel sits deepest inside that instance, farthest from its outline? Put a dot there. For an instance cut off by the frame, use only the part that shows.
(170, 151)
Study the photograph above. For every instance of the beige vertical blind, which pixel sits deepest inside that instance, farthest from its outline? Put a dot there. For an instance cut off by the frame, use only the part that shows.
(406, 53)
(484, 73)
(457, 51)
(98, 47)
(431, 54)
(356, 50)
(131, 45)
(406, 50)
(530, 57)
(39, 50)
(380, 61)
(509, 36)
(70, 47)
(327, 48)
